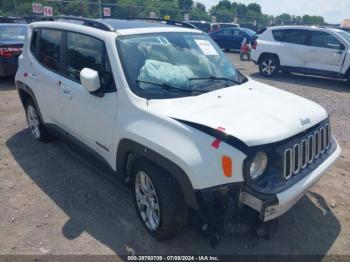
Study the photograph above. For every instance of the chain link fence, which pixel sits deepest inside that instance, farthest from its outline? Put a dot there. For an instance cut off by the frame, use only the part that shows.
(113, 9)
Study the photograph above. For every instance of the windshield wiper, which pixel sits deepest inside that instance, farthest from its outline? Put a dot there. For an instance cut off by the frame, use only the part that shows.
(170, 87)
(215, 78)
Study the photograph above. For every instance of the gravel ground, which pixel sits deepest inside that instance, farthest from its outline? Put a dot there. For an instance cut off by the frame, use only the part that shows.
(54, 202)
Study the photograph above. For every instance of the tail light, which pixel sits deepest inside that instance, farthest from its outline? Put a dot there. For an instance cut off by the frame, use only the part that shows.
(5, 52)
(9, 51)
(255, 43)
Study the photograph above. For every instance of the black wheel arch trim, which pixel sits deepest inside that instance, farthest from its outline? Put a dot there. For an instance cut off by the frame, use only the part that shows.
(266, 54)
(21, 87)
(127, 146)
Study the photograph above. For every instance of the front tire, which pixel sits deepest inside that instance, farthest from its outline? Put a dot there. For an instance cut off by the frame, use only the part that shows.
(269, 66)
(35, 124)
(158, 200)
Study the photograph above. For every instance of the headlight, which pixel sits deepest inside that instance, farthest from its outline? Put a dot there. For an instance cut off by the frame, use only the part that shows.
(258, 165)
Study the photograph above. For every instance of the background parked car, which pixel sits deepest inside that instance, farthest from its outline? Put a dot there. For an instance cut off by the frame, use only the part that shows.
(12, 20)
(303, 49)
(205, 26)
(11, 44)
(228, 25)
(231, 38)
(258, 33)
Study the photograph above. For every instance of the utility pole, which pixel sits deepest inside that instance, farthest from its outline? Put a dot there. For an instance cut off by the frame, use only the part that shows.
(15, 7)
(99, 6)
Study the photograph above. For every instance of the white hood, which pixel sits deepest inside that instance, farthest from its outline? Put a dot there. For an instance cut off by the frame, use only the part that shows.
(252, 112)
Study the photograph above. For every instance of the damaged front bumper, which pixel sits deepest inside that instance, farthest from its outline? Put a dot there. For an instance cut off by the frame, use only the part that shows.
(273, 206)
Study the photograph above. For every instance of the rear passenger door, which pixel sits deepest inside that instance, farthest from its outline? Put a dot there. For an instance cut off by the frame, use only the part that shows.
(325, 53)
(44, 71)
(292, 48)
(88, 117)
(236, 39)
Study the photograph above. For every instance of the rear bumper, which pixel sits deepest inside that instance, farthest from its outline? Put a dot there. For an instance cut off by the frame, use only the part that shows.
(8, 68)
(273, 206)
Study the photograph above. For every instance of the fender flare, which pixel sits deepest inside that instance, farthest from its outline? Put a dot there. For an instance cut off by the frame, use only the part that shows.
(268, 53)
(21, 87)
(127, 146)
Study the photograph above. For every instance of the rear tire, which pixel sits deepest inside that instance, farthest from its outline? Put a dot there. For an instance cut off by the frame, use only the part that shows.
(269, 66)
(35, 124)
(158, 200)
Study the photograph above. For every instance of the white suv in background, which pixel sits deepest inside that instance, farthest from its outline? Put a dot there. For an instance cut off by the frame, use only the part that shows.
(167, 112)
(303, 49)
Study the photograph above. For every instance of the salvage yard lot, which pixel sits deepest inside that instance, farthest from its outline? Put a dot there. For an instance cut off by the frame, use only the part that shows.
(52, 201)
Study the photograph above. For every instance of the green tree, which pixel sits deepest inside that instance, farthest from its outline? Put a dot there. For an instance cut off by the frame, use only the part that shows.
(200, 6)
(185, 5)
(254, 7)
(284, 19)
(197, 14)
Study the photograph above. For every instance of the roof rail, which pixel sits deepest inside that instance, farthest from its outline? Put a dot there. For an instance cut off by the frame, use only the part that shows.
(163, 21)
(85, 21)
(12, 19)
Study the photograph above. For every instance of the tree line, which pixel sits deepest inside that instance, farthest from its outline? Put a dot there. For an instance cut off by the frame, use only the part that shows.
(224, 11)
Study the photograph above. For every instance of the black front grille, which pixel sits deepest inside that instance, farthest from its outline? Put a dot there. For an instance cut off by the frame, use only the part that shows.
(306, 150)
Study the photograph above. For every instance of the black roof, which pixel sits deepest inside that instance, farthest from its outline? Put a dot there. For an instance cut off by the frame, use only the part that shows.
(110, 24)
(130, 24)
(12, 20)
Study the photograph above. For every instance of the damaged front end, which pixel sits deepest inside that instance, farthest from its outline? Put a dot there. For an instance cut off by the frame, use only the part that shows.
(222, 213)
(295, 165)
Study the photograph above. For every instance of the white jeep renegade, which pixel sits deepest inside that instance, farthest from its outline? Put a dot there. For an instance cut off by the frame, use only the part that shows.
(163, 107)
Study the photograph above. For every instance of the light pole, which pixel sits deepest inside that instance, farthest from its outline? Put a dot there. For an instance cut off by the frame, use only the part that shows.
(99, 7)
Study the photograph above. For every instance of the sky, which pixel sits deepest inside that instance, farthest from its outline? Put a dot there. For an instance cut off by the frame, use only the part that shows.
(333, 11)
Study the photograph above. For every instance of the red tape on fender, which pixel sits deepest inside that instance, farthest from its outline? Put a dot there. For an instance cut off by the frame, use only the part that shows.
(216, 142)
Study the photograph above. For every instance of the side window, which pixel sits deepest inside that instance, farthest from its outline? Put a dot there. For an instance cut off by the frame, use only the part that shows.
(85, 51)
(293, 36)
(296, 36)
(278, 35)
(34, 42)
(244, 34)
(225, 32)
(235, 32)
(325, 40)
(49, 48)
(215, 27)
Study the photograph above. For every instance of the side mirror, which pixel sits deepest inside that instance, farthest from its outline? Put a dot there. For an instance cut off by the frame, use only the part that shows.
(90, 80)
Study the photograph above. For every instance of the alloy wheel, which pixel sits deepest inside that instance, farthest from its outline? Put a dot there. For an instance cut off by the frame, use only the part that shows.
(147, 201)
(268, 67)
(33, 121)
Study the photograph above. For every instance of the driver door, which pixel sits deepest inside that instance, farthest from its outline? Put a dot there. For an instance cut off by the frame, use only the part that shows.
(89, 117)
(325, 52)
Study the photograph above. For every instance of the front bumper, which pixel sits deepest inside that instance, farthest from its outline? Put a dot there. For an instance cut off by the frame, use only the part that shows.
(273, 206)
